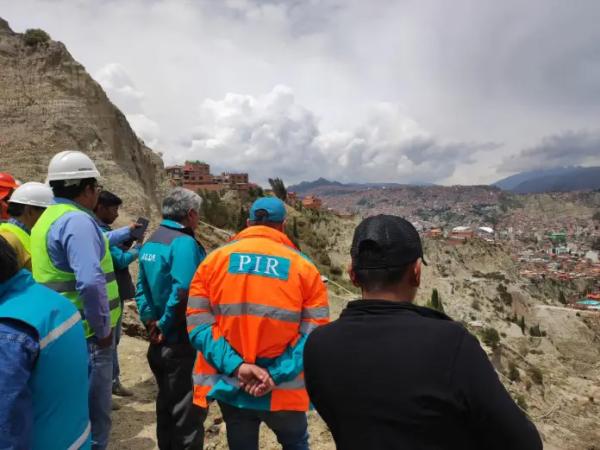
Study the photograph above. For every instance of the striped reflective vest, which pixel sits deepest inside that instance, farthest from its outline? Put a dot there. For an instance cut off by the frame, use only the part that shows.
(46, 273)
(256, 300)
(59, 380)
(21, 234)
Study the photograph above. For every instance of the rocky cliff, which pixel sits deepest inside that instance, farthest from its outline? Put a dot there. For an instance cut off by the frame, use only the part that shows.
(49, 103)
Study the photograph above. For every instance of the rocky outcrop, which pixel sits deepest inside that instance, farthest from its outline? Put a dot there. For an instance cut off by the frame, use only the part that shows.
(49, 103)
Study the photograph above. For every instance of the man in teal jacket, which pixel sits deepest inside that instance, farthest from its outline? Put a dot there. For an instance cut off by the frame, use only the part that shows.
(107, 211)
(43, 365)
(168, 261)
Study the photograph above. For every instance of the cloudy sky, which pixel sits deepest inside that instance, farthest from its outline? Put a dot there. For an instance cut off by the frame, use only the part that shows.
(461, 91)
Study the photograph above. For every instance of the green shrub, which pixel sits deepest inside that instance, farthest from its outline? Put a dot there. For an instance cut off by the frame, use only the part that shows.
(490, 337)
(336, 270)
(521, 402)
(536, 375)
(35, 36)
(475, 305)
(535, 331)
(513, 372)
(436, 301)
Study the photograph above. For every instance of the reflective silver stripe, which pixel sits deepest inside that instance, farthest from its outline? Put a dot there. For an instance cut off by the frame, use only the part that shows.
(211, 380)
(81, 439)
(316, 313)
(255, 309)
(200, 319)
(308, 327)
(60, 330)
(198, 303)
(71, 285)
(296, 383)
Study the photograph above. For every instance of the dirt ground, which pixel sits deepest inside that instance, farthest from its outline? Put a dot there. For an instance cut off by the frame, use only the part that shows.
(133, 424)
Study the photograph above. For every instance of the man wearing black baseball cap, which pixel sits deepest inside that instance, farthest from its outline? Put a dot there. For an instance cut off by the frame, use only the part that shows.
(392, 375)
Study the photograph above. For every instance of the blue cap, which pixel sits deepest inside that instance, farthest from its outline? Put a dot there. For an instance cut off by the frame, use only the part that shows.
(272, 205)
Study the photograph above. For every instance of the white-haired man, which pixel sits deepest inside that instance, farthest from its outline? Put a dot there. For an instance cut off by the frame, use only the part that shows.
(168, 261)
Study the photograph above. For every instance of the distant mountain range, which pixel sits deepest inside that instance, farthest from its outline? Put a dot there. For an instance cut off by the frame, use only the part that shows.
(307, 187)
(563, 179)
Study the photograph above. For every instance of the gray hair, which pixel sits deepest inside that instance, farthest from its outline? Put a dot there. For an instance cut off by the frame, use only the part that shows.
(178, 202)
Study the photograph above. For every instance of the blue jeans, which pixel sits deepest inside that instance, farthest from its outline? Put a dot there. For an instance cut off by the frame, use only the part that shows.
(290, 427)
(116, 339)
(100, 395)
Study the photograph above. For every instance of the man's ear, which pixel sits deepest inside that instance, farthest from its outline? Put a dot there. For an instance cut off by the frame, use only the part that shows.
(352, 275)
(416, 273)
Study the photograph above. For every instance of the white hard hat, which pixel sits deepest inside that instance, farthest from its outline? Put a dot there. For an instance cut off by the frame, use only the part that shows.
(71, 165)
(34, 194)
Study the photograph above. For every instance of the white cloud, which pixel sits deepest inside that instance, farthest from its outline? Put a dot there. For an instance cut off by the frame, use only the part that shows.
(273, 135)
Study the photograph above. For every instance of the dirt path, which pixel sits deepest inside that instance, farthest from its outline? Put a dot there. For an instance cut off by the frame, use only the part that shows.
(134, 423)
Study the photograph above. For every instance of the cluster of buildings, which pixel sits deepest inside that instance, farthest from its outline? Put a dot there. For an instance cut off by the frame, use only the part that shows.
(196, 175)
(308, 202)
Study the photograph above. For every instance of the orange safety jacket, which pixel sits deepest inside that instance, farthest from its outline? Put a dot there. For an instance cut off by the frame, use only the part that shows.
(254, 300)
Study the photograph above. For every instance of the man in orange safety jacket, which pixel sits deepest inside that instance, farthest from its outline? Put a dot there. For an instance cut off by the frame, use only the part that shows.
(252, 304)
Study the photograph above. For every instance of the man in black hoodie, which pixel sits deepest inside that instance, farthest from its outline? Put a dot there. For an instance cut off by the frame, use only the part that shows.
(392, 375)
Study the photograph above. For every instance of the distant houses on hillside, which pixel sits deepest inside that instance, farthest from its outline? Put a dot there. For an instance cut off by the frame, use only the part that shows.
(196, 175)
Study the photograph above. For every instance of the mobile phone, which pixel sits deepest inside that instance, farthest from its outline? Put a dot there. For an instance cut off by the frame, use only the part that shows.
(138, 233)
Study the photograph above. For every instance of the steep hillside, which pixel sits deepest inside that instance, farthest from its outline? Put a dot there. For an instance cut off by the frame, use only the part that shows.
(49, 103)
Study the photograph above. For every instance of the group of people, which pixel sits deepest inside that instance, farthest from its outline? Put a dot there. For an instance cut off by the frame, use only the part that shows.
(246, 326)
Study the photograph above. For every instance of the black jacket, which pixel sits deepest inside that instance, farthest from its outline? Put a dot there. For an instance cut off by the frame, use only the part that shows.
(398, 376)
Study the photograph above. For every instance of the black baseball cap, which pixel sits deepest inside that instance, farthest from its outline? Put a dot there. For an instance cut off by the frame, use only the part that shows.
(385, 241)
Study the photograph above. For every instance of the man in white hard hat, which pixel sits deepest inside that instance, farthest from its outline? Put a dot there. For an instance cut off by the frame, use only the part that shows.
(70, 255)
(26, 205)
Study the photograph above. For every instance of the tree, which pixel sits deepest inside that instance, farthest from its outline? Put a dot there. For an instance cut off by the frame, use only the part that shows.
(35, 36)
(491, 337)
(436, 301)
(295, 229)
(522, 324)
(243, 216)
(513, 372)
(278, 188)
(561, 298)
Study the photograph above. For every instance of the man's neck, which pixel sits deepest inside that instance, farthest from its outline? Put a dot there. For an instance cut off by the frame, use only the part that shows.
(390, 296)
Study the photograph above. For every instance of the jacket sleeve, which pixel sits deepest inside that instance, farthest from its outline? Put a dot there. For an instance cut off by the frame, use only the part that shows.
(84, 245)
(145, 310)
(115, 237)
(205, 335)
(185, 256)
(121, 258)
(497, 422)
(315, 312)
(19, 351)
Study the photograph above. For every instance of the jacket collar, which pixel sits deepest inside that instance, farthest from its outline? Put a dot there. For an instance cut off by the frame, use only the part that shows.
(177, 226)
(18, 282)
(261, 231)
(386, 307)
(18, 223)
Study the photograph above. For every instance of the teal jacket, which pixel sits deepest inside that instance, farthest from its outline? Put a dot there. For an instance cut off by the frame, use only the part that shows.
(167, 261)
(59, 380)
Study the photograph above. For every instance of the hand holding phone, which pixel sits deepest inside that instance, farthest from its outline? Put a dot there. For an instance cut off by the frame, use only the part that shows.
(137, 233)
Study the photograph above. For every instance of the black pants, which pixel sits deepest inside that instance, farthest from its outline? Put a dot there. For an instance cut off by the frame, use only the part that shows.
(179, 423)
